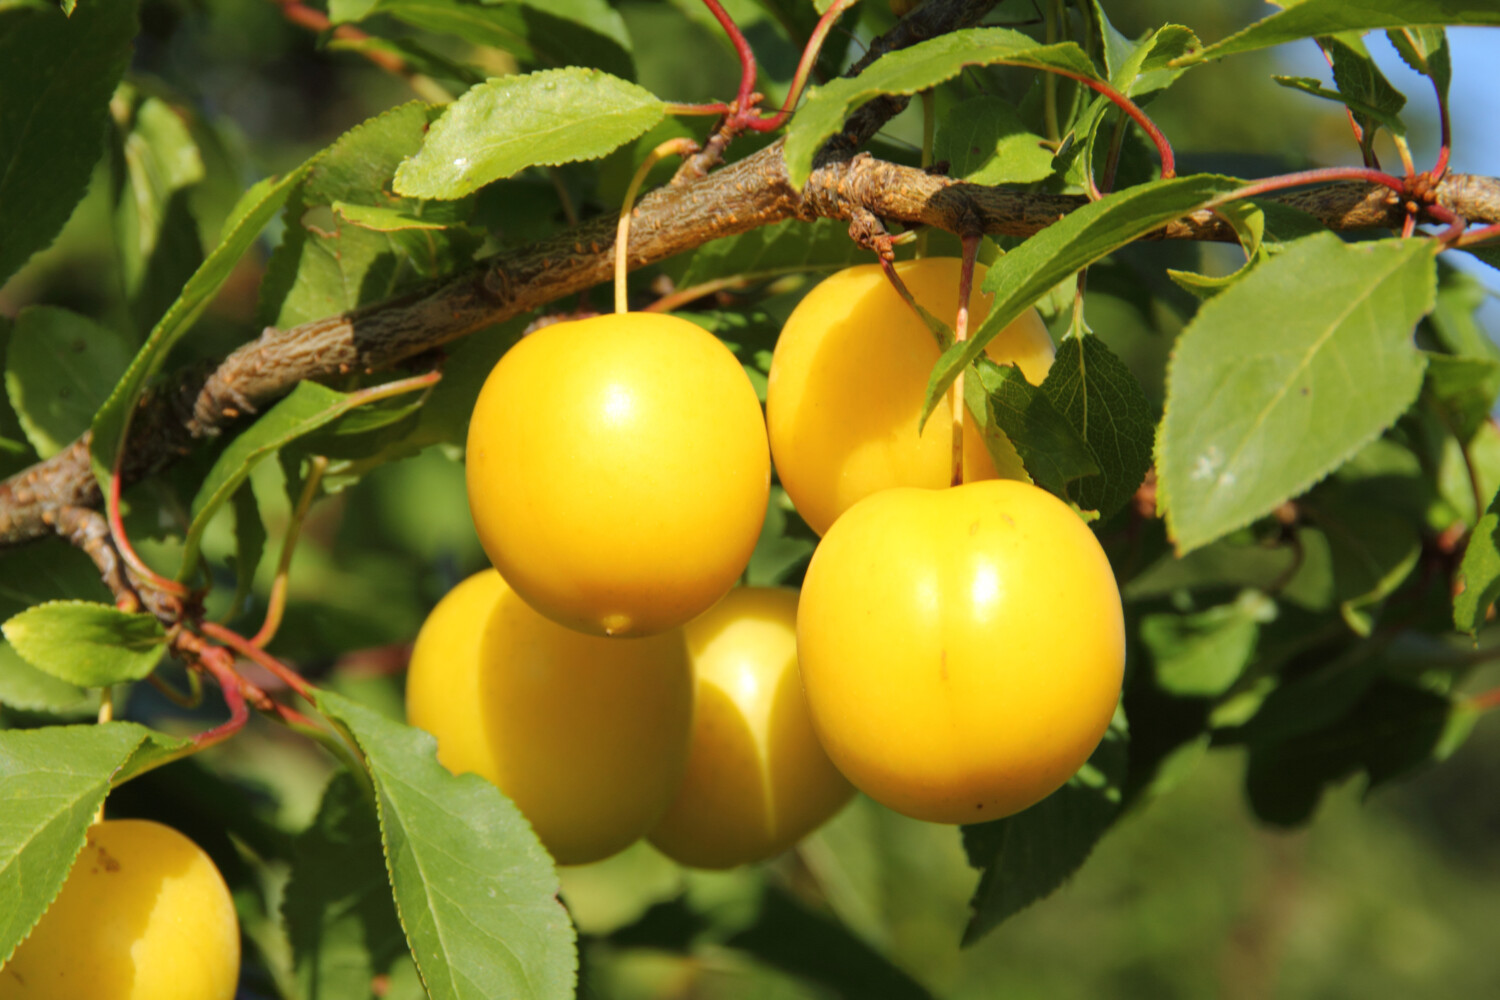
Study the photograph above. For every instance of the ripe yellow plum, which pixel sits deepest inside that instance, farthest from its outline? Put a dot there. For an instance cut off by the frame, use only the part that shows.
(847, 381)
(962, 649)
(618, 471)
(144, 915)
(587, 735)
(757, 778)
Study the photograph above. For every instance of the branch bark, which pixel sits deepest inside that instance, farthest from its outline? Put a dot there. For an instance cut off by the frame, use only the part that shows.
(746, 195)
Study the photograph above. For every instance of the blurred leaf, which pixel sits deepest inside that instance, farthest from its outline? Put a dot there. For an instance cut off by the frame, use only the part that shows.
(1392, 729)
(1201, 655)
(914, 69)
(1097, 229)
(307, 408)
(1426, 51)
(785, 544)
(249, 544)
(1277, 380)
(1360, 79)
(1107, 407)
(46, 570)
(1362, 109)
(1051, 448)
(418, 57)
(91, 645)
(544, 32)
(24, 687)
(1373, 550)
(1327, 17)
(52, 781)
(254, 210)
(154, 226)
(1453, 321)
(57, 73)
(475, 891)
(59, 368)
(540, 119)
(339, 915)
(983, 141)
(381, 220)
(1479, 573)
(348, 241)
(1027, 857)
(1230, 563)
(771, 251)
(1461, 391)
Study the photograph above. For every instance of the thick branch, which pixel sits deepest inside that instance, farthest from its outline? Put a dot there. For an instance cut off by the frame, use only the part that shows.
(746, 195)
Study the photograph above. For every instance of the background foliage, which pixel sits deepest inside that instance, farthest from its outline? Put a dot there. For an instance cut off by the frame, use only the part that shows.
(1292, 659)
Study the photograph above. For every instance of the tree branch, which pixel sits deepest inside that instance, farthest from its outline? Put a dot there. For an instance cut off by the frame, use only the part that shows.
(746, 195)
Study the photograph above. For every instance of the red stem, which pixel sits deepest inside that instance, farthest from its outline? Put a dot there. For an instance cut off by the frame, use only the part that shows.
(804, 69)
(1318, 176)
(1455, 224)
(217, 663)
(122, 540)
(242, 646)
(1125, 104)
(1480, 235)
(742, 48)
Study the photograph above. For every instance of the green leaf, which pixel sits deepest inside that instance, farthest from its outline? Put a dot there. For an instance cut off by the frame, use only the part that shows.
(1097, 229)
(540, 119)
(88, 644)
(1108, 408)
(1364, 111)
(983, 141)
(1426, 51)
(254, 210)
(914, 69)
(1026, 857)
(52, 781)
(57, 74)
(1150, 65)
(59, 369)
(790, 247)
(1392, 729)
(155, 232)
(307, 408)
(1052, 451)
(1453, 321)
(1479, 573)
(1372, 551)
(1461, 391)
(28, 689)
(340, 918)
(1360, 79)
(1329, 17)
(1201, 655)
(345, 243)
(1228, 564)
(476, 893)
(381, 220)
(249, 544)
(1278, 380)
(539, 32)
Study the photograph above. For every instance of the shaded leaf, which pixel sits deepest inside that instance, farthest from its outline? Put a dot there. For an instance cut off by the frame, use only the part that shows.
(1363, 110)
(307, 408)
(57, 74)
(340, 918)
(254, 210)
(540, 119)
(59, 369)
(1026, 857)
(1277, 380)
(52, 781)
(1200, 655)
(914, 69)
(1461, 391)
(88, 644)
(1328, 17)
(476, 893)
(1426, 51)
(1391, 730)
(1050, 447)
(771, 251)
(1479, 573)
(983, 141)
(1360, 79)
(1099, 228)
(1108, 408)
(24, 687)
